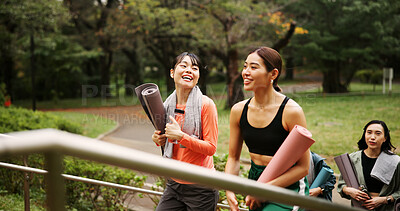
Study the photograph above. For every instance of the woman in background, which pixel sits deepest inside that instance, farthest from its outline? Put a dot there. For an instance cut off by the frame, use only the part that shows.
(324, 190)
(377, 168)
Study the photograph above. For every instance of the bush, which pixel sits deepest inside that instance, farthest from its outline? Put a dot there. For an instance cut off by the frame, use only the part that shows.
(369, 76)
(19, 119)
(80, 196)
(219, 164)
(15, 202)
(85, 196)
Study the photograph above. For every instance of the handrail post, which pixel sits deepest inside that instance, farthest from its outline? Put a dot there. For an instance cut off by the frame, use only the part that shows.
(26, 186)
(55, 188)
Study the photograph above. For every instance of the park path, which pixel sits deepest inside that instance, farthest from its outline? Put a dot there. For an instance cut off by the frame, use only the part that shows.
(134, 131)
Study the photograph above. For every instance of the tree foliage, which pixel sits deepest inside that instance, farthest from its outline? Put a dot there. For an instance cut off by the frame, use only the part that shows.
(346, 36)
(96, 42)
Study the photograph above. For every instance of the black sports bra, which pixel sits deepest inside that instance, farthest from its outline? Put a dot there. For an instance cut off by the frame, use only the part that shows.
(267, 140)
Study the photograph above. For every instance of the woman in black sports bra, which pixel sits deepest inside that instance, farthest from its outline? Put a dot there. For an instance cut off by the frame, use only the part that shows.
(263, 123)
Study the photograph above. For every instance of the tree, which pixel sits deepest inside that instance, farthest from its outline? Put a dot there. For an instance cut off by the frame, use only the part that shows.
(346, 36)
(28, 19)
(91, 20)
(164, 28)
(232, 28)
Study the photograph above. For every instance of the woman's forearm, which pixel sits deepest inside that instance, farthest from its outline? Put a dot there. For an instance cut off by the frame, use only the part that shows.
(291, 176)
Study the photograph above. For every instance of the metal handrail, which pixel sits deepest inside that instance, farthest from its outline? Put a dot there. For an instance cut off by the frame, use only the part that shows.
(92, 181)
(54, 144)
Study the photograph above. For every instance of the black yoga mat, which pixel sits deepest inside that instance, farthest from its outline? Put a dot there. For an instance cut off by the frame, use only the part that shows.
(150, 98)
(347, 170)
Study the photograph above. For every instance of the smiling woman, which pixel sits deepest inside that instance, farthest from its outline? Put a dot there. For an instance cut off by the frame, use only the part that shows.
(263, 122)
(190, 136)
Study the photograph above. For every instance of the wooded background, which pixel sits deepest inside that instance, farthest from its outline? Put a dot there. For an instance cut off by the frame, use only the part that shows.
(51, 48)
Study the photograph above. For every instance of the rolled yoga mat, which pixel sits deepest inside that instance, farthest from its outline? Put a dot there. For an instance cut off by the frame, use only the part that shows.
(292, 149)
(322, 177)
(347, 170)
(150, 98)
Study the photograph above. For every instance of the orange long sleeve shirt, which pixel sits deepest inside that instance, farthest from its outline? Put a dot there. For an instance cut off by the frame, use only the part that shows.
(196, 151)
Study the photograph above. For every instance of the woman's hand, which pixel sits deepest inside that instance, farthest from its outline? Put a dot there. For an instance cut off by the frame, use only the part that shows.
(173, 130)
(252, 202)
(232, 201)
(356, 194)
(316, 191)
(374, 202)
(158, 139)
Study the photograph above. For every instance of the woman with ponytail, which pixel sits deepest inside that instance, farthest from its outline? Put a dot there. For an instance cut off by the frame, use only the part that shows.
(263, 122)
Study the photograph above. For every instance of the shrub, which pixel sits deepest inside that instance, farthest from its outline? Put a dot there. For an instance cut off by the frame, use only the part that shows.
(219, 164)
(20, 119)
(369, 76)
(85, 196)
(80, 196)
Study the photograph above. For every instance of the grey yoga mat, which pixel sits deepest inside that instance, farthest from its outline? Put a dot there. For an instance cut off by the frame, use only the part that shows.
(347, 170)
(150, 98)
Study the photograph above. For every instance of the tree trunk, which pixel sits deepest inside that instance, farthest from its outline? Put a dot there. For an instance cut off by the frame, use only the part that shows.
(283, 42)
(133, 75)
(289, 68)
(169, 80)
(203, 72)
(33, 71)
(8, 73)
(105, 65)
(331, 82)
(235, 92)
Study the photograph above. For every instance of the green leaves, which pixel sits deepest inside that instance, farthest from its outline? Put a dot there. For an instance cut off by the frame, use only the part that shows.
(35, 16)
(346, 35)
(19, 119)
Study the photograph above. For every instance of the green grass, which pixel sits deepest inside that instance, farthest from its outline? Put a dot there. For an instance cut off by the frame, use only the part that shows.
(93, 125)
(336, 122)
(16, 202)
(79, 103)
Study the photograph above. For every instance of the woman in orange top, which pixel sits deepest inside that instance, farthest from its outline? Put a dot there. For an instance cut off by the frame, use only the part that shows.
(191, 136)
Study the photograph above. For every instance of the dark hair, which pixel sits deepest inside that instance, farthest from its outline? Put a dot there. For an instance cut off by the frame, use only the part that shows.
(386, 146)
(272, 59)
(193, 58)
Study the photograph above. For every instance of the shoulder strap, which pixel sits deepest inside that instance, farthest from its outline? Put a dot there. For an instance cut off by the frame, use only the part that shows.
(244, 111)
(280, 111)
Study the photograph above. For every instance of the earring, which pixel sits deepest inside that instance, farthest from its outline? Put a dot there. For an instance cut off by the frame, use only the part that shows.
(272, 81)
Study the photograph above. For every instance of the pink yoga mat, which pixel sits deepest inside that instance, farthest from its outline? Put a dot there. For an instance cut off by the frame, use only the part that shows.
(150, 98)
(292, 149)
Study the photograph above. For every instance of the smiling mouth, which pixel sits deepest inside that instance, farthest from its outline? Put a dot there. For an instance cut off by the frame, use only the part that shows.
(187, 78)
(247, 81)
